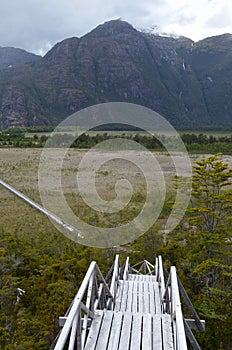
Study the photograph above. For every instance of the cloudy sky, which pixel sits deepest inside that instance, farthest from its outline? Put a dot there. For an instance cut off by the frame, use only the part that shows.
(36, 25)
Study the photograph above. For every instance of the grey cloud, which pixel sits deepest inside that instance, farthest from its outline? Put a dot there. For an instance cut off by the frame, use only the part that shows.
(221, 19)
(36, 25)
(185, 20)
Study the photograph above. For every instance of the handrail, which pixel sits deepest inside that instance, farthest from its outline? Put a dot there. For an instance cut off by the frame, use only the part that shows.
(97, 297)
(200, 324)
(160, 276)
(115, 277)
(180, 342)
(75, 307)
(126, 269)
(171, 304)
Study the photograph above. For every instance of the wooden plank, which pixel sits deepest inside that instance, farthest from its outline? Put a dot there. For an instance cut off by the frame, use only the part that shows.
(140, 297)
(167, 332)
(150, 278)
(94, 331)
(136, 277)
(136, 332)
(131, 277)
(146, 297)
(157, 332)
(125, 332)
(157, 298)
(124, 296)
(130, 296)
(118, 299)
(193, 325)
(135, 298)
(104, 334)
(115, 331)
(152, 298)
(147, 332)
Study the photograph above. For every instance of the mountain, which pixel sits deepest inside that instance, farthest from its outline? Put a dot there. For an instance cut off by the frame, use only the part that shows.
(10, 57)
(188, 83)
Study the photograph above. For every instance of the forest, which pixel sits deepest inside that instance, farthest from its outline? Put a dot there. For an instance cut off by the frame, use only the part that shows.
(49, 267)
(38, 136)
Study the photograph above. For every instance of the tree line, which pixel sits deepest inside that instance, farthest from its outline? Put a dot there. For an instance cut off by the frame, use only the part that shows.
(197, 143)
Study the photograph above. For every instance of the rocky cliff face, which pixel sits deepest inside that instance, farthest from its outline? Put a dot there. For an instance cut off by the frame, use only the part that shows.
(188, 83)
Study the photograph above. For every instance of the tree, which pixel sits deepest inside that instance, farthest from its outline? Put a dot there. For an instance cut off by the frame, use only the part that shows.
(211, 209)
(211, 179)
(201, 248)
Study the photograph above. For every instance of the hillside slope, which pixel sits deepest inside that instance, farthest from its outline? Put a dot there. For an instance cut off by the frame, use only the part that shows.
(188, 83)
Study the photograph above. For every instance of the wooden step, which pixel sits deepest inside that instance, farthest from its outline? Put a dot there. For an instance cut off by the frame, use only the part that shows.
(112, 330)
(136, 277)
(138, 296)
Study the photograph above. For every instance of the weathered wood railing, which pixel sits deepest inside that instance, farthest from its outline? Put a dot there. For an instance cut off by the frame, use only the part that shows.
(143, 267)
(97, 295)
(126, 269)
(172, 305)
(159, 272)
(114, 281)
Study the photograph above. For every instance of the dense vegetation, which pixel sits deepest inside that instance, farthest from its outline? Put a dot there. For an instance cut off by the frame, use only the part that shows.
(37, 137)
(201, 249)
(50, 268)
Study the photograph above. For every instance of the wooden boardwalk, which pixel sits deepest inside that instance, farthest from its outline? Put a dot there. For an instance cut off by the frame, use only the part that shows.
(136, 322)
(134, 331)
(138, 296)
(134, 311)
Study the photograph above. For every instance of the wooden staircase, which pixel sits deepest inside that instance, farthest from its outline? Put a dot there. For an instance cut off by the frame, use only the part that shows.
(135, 311)
(136, 321)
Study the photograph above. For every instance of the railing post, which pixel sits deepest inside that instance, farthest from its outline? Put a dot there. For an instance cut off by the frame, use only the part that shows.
(115, 276)
(156, 268)
(176, 313)
(161, 277)
(126, 269)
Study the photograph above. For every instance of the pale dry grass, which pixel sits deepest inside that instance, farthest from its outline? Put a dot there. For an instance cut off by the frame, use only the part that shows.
(19, 168)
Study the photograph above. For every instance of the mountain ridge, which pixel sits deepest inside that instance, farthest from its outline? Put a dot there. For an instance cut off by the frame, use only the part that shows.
(188, 83)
